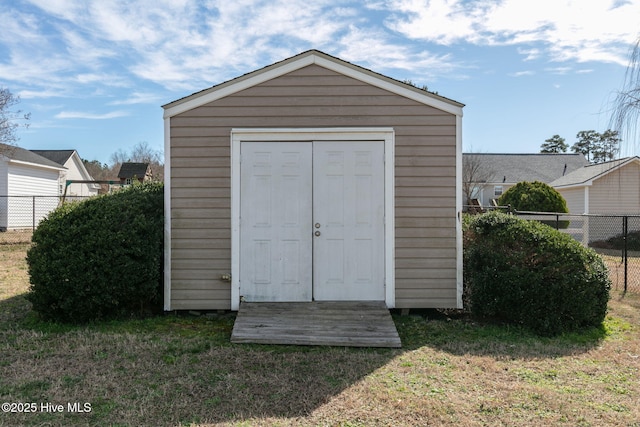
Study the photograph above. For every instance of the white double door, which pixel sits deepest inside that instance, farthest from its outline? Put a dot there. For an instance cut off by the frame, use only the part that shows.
(312, 221)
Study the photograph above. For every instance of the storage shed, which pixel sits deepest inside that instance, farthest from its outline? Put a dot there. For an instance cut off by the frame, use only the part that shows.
(313, 179)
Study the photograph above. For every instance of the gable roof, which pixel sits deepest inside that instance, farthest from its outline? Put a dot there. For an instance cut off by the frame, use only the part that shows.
(133, 170)
(302, 60)
(21, 155)
(586, 175)
(513, 168)
(58, 156)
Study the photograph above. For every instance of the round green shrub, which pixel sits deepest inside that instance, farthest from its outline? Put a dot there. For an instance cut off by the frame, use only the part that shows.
(100, 258)
(535, 197)
(529, 274)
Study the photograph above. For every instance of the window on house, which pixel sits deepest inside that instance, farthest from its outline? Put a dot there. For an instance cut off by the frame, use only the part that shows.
(128, 181)
(476, 192)
(497, 190)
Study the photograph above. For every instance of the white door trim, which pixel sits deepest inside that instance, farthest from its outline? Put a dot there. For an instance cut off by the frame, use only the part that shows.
(305, 135)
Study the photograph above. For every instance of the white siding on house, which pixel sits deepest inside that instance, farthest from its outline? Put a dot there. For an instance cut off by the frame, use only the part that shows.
(74, 172)
(30, 181)
(487, 191)
(574, 198)
(23, 180)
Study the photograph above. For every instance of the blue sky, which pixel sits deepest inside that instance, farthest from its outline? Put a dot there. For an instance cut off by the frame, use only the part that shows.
(94, 74)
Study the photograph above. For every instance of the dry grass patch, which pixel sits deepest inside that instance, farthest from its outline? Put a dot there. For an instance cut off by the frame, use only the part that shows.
(615, 264)
(181, 370)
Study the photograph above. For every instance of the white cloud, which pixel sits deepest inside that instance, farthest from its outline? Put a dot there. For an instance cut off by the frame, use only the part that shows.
(90, 116)
(138, 98)
(559, 70)
(372, 49)
(40, 94)
(76, 46)
(522, 73)
(569, 30)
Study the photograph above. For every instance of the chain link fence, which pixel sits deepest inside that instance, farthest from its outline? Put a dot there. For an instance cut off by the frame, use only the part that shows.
(615, 237)
(20, 215)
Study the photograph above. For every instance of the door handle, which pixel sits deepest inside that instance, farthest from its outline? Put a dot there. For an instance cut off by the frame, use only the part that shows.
(317, 233)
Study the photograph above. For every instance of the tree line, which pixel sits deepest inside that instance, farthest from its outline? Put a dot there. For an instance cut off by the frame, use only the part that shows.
(595, 146)
(11, 119)
(142, 152)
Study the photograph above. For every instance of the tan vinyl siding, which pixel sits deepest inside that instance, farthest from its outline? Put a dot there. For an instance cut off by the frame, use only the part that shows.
(315, 97)
(574, 198)
(617, 192)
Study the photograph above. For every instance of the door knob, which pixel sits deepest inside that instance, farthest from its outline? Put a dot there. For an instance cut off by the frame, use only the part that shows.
(317, 233)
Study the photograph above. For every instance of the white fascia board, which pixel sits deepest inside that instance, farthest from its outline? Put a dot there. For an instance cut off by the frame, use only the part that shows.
(233, 87)
(278, 70)
(389, 86)
(36, 165)
(572, 186)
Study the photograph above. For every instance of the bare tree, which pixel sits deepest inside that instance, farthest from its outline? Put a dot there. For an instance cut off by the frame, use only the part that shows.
(98, 171)
(626, 109)
(142, 152)
(475, 173)
(9, 118)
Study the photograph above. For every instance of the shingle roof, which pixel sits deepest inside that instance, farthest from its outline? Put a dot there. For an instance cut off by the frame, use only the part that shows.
(22, 155)
(591, 172)
(58, 156)
(131, 170)
(514, 168)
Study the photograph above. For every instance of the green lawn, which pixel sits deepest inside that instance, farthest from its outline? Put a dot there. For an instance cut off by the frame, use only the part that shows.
(182, 370)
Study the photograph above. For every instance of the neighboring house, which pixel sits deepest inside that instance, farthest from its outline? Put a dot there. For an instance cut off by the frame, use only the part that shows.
(604, 188)
(499, 172)
(23, 175)
(313, 179)
(75, 171)
(129, 172)
(609, 188)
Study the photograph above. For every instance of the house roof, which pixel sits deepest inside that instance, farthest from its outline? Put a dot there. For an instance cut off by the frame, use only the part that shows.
(58, 156)
(544, 167)
(133, 170)
(585, 175)
(302, 60)
(26, 156)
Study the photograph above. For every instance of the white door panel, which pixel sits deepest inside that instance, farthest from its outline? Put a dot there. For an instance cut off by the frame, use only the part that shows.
(348, 205)
(312, 221)
(275, 206)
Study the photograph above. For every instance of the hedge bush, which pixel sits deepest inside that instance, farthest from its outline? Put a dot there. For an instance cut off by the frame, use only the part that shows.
(100, 258)
(527, 273)
(535, 197)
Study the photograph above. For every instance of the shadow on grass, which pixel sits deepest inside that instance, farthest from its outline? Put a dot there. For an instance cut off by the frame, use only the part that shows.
(173, 369)
(460, 335)
(13, 309)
